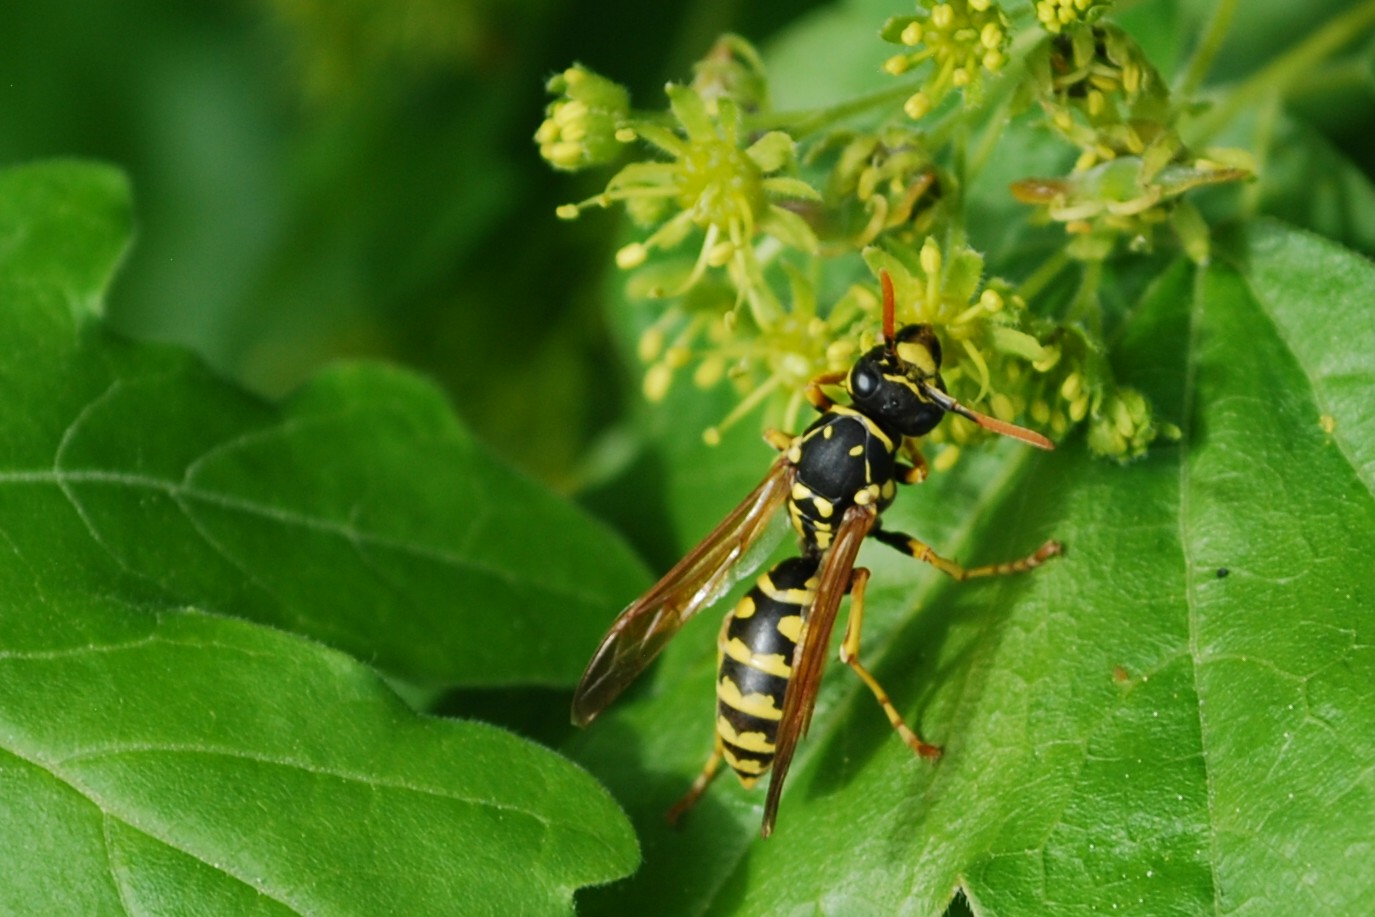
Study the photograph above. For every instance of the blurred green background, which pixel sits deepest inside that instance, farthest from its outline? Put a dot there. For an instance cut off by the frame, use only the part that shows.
(320, 179)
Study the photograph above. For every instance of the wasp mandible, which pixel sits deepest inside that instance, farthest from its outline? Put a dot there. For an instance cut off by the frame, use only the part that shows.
(836, 478)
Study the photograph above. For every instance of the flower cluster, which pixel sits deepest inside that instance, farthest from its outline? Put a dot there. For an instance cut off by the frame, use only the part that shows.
(1128, 197)
(751, 220)
(760, 360)
(1057, 15)
(962, 39)
(718, 185)
(1099, 92)
(884, 183)
(1075, 384)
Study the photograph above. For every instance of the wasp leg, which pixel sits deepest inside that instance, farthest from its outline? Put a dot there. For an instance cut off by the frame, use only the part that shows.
(923, 552)
(849, 654)
(917, 471)
(819, 399)
(911, 474)
(778, 439)
(699, 786)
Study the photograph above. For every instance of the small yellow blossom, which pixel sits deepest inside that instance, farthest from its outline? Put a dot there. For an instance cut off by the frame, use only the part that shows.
(581, 125)
(963, 40)
(1057, 15)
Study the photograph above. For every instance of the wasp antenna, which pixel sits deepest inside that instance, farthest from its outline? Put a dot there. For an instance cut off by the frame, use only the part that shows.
(889, 306)
(1001, 427)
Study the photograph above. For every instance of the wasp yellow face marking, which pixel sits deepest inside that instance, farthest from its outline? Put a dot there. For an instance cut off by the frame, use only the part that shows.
(919, 356)
(760, 705)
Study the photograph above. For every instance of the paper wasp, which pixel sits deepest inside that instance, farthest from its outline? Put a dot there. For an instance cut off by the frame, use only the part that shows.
(835, 479)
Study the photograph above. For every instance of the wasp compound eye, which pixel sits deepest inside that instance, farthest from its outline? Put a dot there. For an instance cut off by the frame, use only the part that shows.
(865, 379)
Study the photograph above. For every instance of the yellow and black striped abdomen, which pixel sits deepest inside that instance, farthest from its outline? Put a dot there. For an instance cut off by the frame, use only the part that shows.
(756, 652)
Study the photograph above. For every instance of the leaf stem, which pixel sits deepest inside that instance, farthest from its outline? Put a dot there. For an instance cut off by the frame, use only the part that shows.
(1043, 275)
(802, 123)
(1285, 71)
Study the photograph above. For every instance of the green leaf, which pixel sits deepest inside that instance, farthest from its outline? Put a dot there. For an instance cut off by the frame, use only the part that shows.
(359, 512)
(158, 751)
(1163, 721)
(175, 761)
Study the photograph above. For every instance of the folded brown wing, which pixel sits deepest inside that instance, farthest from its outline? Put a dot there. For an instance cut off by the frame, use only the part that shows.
(809, 659)
(647, 624)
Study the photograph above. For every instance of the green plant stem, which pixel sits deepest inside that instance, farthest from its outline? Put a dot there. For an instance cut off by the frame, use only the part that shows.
(1285, 71)
(1085, 309)
(1207, 49)
(1043, 275)
(1267, 118)
(802, 123)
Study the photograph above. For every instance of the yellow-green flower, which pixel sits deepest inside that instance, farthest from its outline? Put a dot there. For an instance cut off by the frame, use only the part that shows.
(884, 183)
(1057, 15)
(963, 40)
(769, 363)
(1128, 197)
(1100, 92)
(716, 184)
(1122, 426)
(580, 126)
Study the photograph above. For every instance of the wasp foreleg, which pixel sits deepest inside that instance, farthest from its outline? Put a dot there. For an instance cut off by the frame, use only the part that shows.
(778, 439)
(819, 399)
(917, 471)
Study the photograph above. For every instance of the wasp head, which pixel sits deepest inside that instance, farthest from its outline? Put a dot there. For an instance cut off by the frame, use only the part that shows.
(898, 383)
(892, 382)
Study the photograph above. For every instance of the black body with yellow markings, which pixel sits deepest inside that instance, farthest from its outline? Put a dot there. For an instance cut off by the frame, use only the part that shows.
(842, 458)
(835, 478)
(756, 650)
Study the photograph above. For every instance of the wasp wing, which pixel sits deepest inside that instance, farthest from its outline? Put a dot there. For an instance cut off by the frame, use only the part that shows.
(648, 623)
(809, 659)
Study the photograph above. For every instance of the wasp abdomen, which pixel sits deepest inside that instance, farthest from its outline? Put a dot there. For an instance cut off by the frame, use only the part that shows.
(756, 653)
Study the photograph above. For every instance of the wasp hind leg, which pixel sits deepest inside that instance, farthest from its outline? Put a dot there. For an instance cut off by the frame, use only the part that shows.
(699, 786)
(849, 654)
(922, 551)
